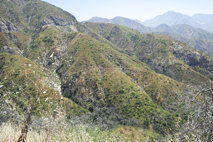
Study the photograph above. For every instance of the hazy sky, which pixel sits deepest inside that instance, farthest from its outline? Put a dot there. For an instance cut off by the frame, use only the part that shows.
(133, 9)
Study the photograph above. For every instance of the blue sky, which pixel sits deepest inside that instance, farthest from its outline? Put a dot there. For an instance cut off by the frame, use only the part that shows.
(133, 9)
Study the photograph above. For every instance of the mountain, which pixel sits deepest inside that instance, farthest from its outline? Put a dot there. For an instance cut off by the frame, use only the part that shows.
(25, 15)
(95, 76)
(57, 74)
(205, 21)
(146, 47)
(121, 21)
(167, 56)
(20, 79)
(171, 18)
(99, 20)
(195, 37)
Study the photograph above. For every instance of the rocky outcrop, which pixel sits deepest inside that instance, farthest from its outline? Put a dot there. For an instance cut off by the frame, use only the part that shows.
(191, 57)
(7, 26)
(38, 14)
(57, 21)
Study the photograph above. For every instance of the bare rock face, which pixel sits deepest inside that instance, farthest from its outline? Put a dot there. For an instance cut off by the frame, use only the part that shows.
(56, 20)
(25, 14)
(7, 26)
(192, 57)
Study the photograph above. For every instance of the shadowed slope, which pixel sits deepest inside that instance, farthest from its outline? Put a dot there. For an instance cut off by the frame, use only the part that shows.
(26, 86)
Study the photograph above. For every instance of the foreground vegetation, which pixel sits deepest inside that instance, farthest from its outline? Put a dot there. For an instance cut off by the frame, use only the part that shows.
(119, 84)
(71, 132)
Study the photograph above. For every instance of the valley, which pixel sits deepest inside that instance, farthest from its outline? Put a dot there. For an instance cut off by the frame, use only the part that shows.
(101, 80)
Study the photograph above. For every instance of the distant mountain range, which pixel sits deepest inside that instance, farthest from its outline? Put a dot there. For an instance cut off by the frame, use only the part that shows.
(203, 21)
(136, 87)
(190, 30)
(197, 38)
(170, 18)
(135, 24)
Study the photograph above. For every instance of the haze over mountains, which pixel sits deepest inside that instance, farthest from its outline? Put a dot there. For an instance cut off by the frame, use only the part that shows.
(118, 83)
(181, 27)
(203, 21)
(121, 21)
(170, 18)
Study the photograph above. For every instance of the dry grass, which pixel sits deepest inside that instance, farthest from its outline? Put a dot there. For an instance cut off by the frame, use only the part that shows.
(62, 133)
(11, 133)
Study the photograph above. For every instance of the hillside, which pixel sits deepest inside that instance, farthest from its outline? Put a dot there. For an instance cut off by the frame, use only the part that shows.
(93, 72)
(25, 86)
(22, 15)
(106, 81)
(195, 37)
(63, 80)
(163, 54)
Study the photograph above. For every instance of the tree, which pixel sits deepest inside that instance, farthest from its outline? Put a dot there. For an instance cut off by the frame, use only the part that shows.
(199, 125)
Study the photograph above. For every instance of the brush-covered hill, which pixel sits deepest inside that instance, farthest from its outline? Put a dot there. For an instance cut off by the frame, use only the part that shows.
(106, 81)
(196, 37)
(26, 86)
(116, 88)
(21, 20)
(102, 74)
(22, 15)
(162, 53)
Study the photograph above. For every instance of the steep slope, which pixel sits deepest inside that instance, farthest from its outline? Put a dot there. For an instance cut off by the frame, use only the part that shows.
(197, 38)
(165, 55)
(48, 46)
(14, 42)
(100, 78)
(39, 13)
(95, 75)
(22, 15)
(26, 87)
(21, 18)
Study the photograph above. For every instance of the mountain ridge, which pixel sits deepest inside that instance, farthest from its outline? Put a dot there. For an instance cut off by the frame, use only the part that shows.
(172, 18)
(202, 21)
(196, 37)
(54, 68)
(121, 21)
